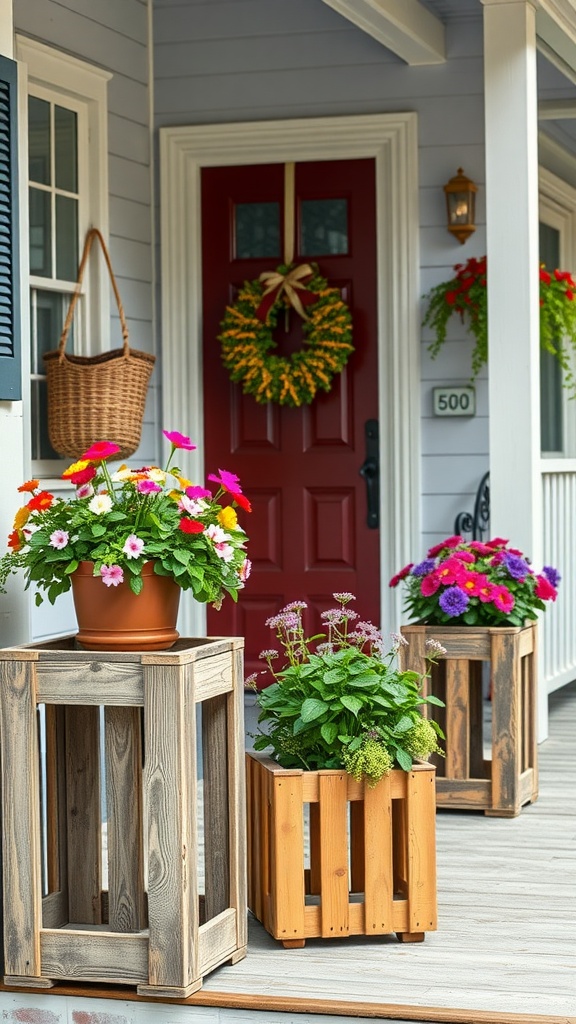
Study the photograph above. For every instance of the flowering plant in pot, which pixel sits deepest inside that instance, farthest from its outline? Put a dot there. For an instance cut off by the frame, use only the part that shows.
(338, 701)
(120, 521)
(475, 583)
(466, 295)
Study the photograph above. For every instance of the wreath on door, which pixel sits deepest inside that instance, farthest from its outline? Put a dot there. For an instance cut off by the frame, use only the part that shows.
(246, 336)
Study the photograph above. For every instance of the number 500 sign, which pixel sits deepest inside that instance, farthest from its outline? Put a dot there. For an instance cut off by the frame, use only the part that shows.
(454, 401)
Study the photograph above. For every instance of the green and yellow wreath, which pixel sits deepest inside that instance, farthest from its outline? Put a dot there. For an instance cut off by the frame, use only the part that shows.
(248, 344)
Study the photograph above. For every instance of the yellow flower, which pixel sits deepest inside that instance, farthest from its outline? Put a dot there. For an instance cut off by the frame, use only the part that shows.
(227, 518)
(76, 467)
(21, 517)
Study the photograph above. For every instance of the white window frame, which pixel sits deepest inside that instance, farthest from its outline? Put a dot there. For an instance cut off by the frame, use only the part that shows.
(61, 78)
(557, 209)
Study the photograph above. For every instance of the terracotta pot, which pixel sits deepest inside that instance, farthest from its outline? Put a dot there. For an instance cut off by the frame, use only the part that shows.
(116, 619)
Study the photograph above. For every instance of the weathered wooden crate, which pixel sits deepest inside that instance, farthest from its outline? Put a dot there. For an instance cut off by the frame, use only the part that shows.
(372, 853)
(151, 928)
(502, 784)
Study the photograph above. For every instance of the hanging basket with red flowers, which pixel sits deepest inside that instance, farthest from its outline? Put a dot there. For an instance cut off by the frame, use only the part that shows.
(466, 294)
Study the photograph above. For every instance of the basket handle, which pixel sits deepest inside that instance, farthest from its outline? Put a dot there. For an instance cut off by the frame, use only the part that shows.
(92, 234)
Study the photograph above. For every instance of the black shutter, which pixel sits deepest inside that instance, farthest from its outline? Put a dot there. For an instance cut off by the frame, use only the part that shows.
(10, 352)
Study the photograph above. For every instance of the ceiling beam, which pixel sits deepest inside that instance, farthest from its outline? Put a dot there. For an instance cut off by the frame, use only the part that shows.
(556, 34)
(404, 26)
(557, 110)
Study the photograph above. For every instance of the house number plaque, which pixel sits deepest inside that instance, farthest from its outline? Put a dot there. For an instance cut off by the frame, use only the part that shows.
(454, 401)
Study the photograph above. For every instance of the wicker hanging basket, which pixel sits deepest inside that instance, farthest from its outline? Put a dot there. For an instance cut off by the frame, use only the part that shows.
(96, 398)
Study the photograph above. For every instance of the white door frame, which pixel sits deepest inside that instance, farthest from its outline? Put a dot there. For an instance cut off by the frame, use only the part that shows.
(391, 139)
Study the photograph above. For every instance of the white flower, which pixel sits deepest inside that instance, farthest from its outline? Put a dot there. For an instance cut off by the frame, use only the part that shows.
(100, 504)
(59, 539)
(216, 534)
(224, 551)
(193, 508)
(124, 473)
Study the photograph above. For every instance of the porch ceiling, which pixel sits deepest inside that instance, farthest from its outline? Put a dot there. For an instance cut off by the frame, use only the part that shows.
(407, 27)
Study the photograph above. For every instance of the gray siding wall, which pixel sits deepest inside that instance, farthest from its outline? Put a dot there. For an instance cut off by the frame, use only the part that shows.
(114, 35)
(245, 60)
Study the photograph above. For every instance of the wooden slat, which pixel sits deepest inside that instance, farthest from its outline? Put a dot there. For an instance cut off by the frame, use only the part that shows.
(506, 723)
(466, 642)
(90, 682)
(287, 860)
(83, 814)
(20, 819)
(357, 846)
(55, 910)
(235, 766)
(170, 799)
(463, 793)
(56, 831)
(213, 676)
(457, 719)
(94, 956)
(216, 825)
(421, 838)
(217, 940)
(476, 720)
(126, 907)
(334, 891)
(378, 859)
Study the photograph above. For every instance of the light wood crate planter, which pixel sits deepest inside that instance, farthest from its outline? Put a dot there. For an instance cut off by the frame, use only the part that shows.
(372, 853)
(151, 928)
(466, 779)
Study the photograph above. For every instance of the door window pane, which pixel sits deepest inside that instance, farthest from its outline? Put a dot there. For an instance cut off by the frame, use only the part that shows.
(40, 233)
(39, 140)
(65, 146)
(47, 312)
(257, 231)
(551, 403)
(66, 238)
(323, 227)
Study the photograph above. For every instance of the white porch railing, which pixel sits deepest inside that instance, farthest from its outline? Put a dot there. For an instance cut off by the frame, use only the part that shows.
(558, 625)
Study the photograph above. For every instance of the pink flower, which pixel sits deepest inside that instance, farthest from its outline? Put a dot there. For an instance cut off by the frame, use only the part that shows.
(502, 599)
(464, 556)
(133, 546)
(544, 589)
(450, 571)
(430, 584)
(148, 487)
(480, 548)
(224, 551)
(472, 583)
(486, 592)
(85, 491)
(198, 492)
(178, 440)
(59, 539)
(112, 575)
(83, 476)
(245, 570)
(100, 451)
(229, 481)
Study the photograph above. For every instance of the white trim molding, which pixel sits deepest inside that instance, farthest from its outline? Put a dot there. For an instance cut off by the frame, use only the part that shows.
(406, 27)
(391, 139)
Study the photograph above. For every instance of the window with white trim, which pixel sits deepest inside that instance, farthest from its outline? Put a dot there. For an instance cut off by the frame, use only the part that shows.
(68, 193)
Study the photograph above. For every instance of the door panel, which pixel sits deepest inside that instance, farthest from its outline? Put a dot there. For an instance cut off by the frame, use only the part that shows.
(299, 467)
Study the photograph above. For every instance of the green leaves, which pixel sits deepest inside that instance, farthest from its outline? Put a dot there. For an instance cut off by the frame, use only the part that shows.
(312, 708)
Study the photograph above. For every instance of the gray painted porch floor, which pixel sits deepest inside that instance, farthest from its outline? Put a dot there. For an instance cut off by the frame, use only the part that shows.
(506, 939)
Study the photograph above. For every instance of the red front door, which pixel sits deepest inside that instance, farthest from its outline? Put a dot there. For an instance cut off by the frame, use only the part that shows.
(308, 533)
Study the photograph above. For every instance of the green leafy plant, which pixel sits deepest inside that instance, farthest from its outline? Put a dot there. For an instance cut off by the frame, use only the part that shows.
(476, 584)
(121, 520)
(466, 295)
(340, 702)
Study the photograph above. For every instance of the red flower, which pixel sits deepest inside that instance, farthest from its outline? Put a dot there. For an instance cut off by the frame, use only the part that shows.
(480, 548)
(545, 276)
(451, 298)
(16, 539)
(242, 501)
(544, 589)
(430, 584)
(473, 583)
(450, 571)
(40, 502)
(450, 542)
(496, 542)
(464, 556)
(190, 526)
(569, 295)
(400, 575)
(83, 476)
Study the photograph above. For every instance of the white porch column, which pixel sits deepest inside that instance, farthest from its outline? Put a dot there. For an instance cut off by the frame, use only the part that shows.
(512, 247)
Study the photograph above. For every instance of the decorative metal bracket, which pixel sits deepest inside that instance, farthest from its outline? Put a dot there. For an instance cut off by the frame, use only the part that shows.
(477, 522)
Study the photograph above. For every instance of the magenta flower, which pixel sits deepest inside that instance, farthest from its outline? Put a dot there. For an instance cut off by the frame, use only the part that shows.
(198, 492)
(112, 575)
(148, 487)
(229, 481)
(100, 451)
(178, 440)
(430, 584)
(502, 599)
(59, 539)
(133, 546)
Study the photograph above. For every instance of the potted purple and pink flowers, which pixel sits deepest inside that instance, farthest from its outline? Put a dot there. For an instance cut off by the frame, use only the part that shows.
(476, 583)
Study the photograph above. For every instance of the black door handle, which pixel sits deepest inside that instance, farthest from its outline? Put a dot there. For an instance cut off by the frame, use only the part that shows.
(370, 470)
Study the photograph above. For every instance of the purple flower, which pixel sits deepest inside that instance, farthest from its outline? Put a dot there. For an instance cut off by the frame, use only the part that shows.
(423, 568)
(552, 575)
(517, 566)
(453, 601)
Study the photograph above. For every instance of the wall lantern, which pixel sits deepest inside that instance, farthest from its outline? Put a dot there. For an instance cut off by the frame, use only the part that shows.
(460, 204)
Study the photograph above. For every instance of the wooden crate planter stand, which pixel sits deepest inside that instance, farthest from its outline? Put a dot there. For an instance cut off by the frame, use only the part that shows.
(465, 778)
(386, 834)
(162, 937)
